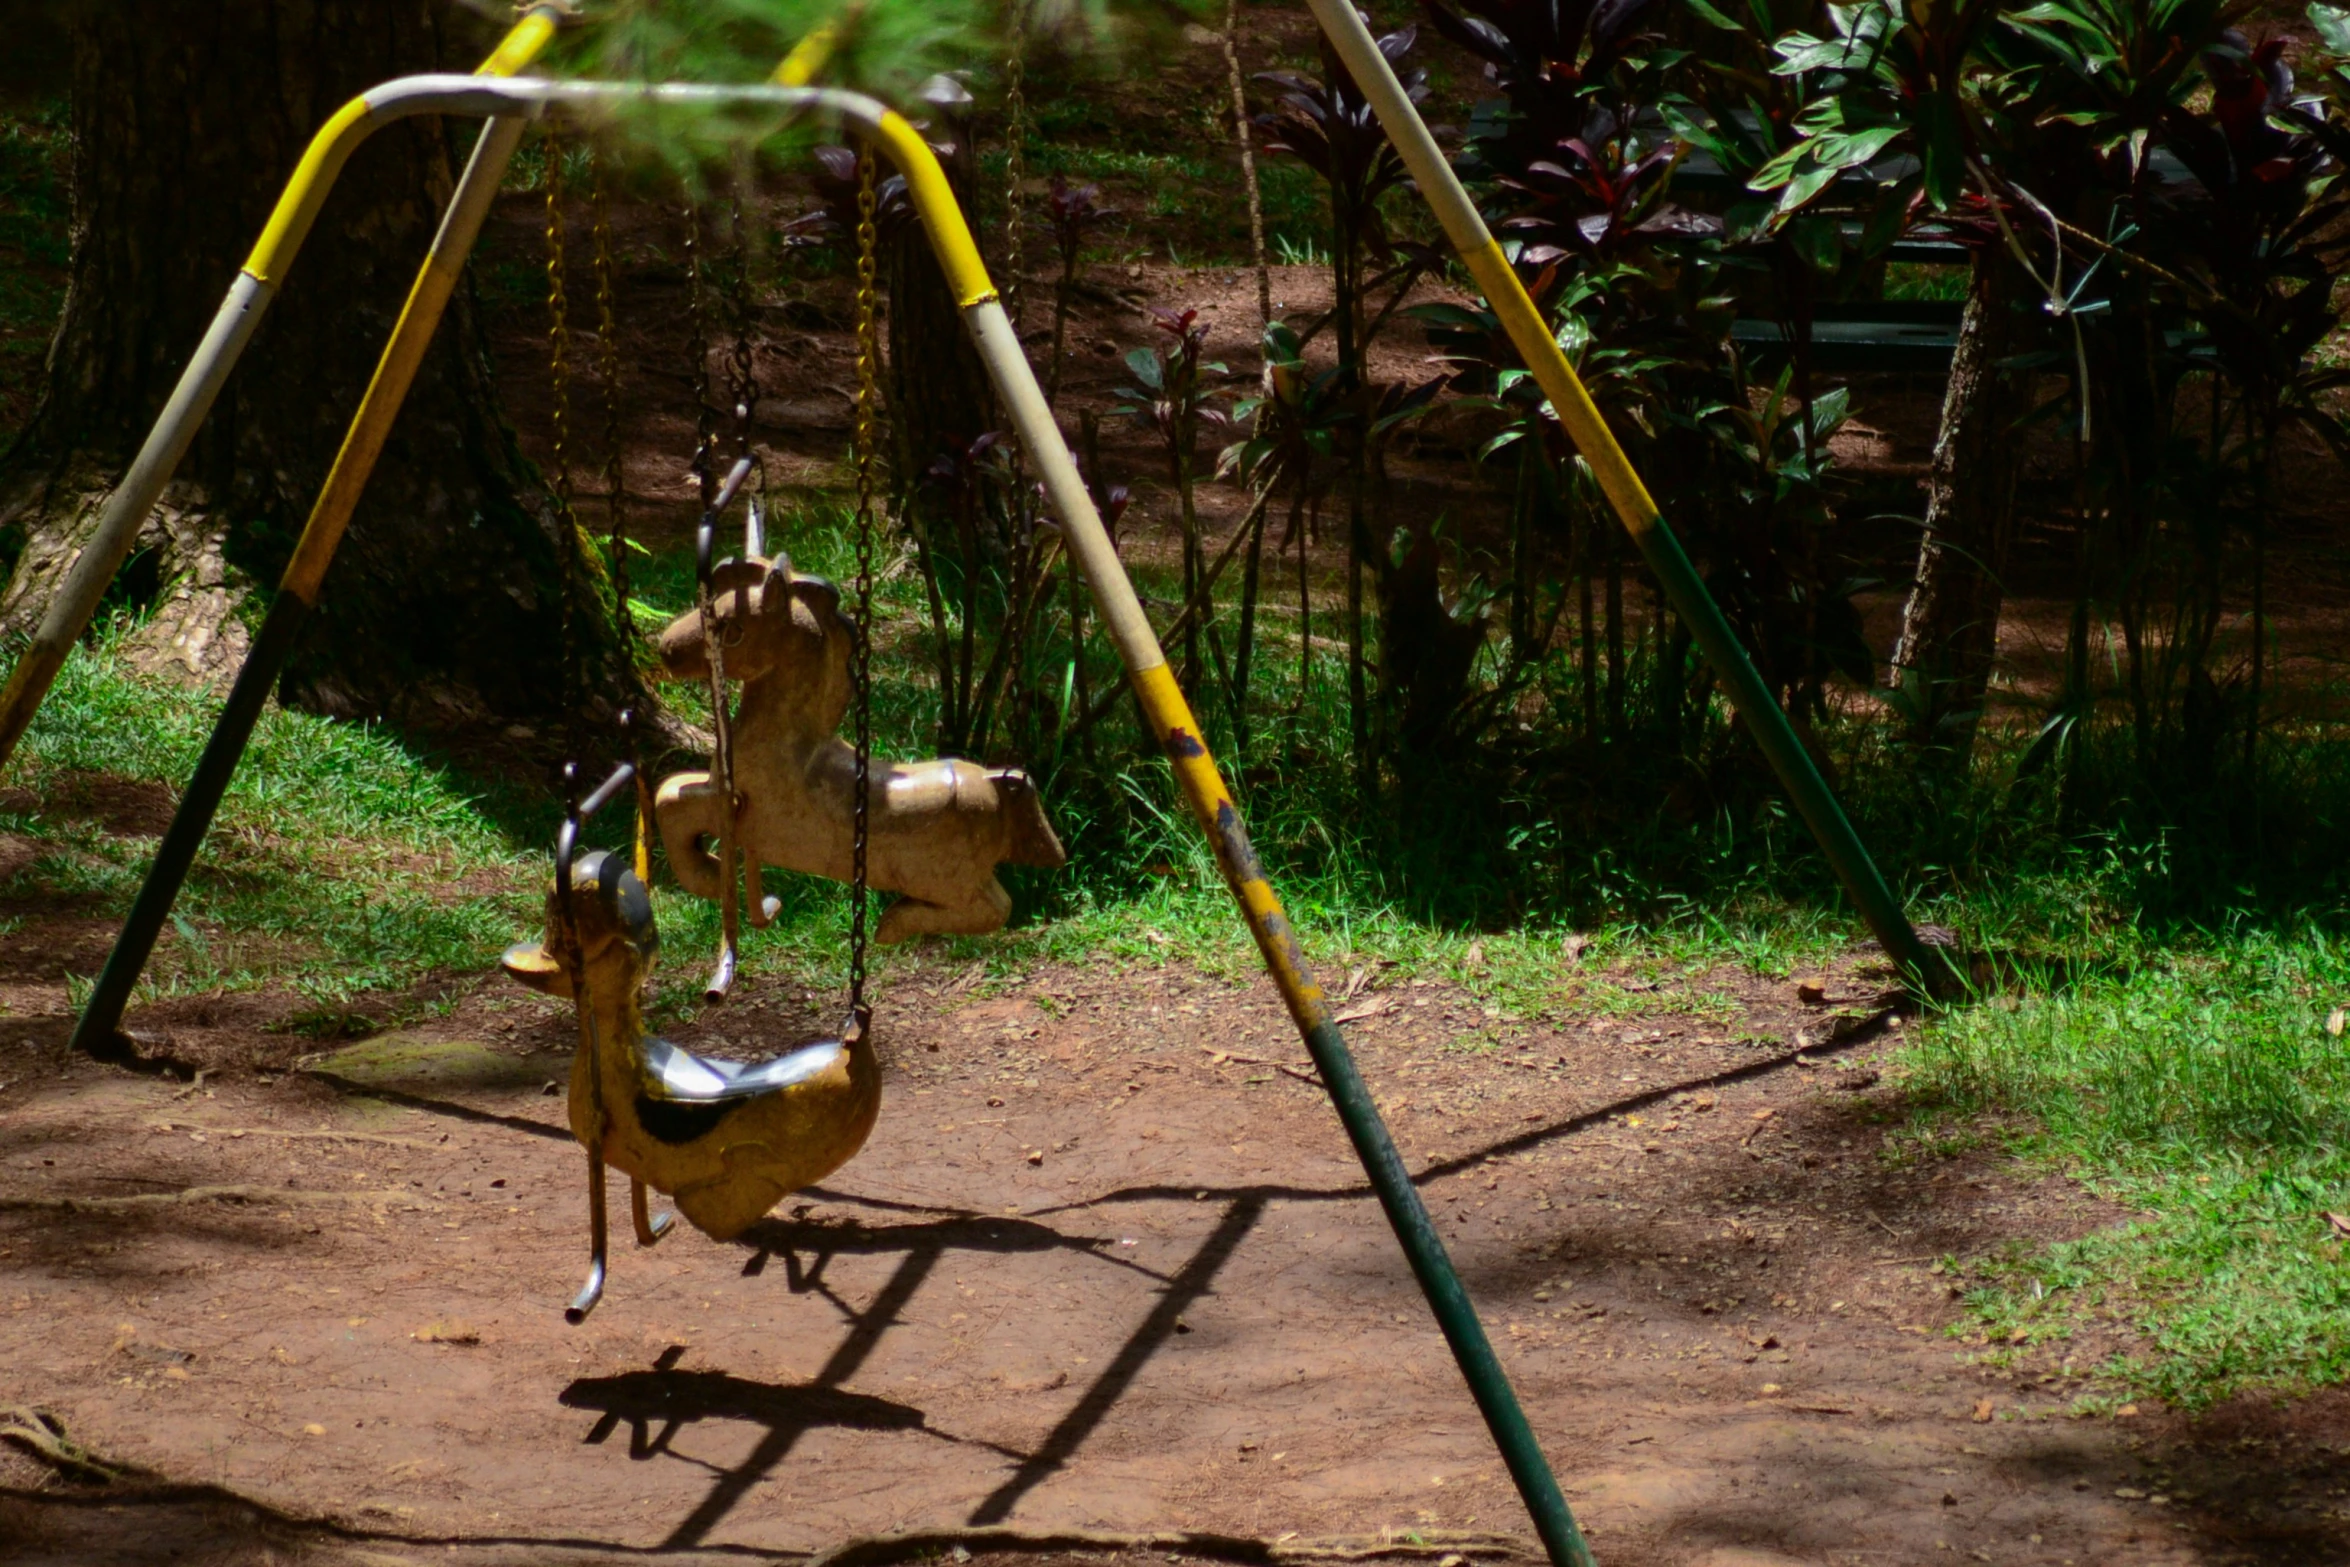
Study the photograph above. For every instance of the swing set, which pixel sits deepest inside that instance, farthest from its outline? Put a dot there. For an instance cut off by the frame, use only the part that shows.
(726, 1141)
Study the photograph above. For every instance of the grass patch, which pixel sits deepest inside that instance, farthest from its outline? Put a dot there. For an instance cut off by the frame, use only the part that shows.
(2203, 1088)
(1925, 280)
(341, 862)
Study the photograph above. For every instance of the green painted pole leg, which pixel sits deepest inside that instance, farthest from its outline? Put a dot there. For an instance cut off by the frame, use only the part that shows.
(1749, 693)
(1488, 1384)
(99, 1033)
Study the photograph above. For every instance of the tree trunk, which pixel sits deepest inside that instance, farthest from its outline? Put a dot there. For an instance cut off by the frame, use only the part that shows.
(940, 398)
(1950, 626)
(446, 604)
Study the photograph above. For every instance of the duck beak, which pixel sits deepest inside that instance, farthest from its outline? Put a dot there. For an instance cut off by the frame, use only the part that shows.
(531, 963)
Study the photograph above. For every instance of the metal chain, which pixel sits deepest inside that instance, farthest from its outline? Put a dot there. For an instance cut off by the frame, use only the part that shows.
(861, 648)
(698, 322)
(559, 422)
(616, 503)
(1015, 158)
(742, 381)
(608, 366)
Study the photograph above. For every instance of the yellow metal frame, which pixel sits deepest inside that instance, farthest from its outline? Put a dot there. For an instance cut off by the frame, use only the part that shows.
(77, 597)
(428, 298)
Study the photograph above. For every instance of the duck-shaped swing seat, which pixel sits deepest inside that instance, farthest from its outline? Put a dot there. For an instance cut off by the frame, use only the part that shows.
(724, 1140)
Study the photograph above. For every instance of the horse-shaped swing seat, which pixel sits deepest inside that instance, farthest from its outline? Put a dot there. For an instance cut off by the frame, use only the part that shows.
(726, 1141)
(938, 829)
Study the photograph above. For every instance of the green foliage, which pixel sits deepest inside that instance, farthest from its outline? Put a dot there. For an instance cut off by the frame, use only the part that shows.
(887, 51)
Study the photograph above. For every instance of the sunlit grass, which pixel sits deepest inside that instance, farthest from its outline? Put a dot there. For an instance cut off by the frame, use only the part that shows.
(2208, 1088)
(340, 862)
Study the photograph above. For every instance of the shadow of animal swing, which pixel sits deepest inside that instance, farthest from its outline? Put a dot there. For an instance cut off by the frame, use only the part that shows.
(938, 828)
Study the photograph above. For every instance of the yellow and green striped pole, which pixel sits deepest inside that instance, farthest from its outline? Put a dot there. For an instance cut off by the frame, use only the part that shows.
(395, 372)
(1620, 482)
(98, 1031)
(1219, 817)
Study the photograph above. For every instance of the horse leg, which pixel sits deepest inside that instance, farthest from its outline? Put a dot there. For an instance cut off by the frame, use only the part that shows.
(985, 907)
(687, 809)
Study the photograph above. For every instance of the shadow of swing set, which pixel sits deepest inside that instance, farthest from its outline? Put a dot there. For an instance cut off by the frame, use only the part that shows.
(727, 1141)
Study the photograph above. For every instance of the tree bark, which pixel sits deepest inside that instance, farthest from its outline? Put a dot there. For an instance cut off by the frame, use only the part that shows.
(446, 604)
(1950, 626)
(940, 398)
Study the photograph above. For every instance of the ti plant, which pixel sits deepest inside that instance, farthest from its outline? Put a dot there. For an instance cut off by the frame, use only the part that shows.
(1170, 393)
(995, 557)
(1074, 212)
(1326, 123)
(1293, 434)
(1557, 64)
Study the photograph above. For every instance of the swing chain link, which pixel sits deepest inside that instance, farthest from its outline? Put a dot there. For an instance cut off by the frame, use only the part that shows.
(742, 383)
(1015, 157)
(608, 367)
(698, 346)
(559, 424)
(861, 648)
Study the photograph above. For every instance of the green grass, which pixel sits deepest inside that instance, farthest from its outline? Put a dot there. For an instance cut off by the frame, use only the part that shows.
(2203, 1089)
(1924, 280)
(336, 864)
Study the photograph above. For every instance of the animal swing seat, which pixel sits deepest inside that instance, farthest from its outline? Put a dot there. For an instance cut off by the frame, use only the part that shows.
(937, 829)
(724, 1139)
(727, 1140)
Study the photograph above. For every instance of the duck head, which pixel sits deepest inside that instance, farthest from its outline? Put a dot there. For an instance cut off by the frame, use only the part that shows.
(614, 920)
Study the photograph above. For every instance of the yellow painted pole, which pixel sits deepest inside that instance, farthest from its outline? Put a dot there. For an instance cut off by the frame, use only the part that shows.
(1179, 734)
(420, 318)
(1765, 720)
(811, 55)
(98, 1030)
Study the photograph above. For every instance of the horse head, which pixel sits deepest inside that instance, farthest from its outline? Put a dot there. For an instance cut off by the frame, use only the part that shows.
(775, 625)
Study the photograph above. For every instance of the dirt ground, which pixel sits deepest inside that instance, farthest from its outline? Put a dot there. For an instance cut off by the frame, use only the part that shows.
(1119, 1273)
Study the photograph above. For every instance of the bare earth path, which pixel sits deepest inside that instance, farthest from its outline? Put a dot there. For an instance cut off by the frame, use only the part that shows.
(1089, 1272)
